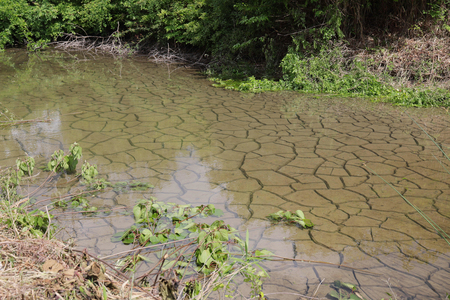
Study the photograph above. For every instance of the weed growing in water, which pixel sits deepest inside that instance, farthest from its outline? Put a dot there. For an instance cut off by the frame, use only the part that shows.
(198, 248)
(65, 162)
(213, 250)
(345, 291)
(291, 218)
(18, 209)
(16, 213)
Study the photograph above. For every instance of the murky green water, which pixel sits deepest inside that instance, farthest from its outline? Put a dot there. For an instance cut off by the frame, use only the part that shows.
(250, 155)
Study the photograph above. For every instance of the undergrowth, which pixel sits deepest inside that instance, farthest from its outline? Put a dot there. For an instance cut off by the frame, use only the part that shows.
(329, 71)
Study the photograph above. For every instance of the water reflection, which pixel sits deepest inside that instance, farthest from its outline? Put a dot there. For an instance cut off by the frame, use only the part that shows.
(250, 155)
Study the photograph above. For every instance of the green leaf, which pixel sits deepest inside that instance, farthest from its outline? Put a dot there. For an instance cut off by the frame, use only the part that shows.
(189, 225)
(246, 242)
(182, 264)
(275, 217)
(144, 258)
(137, 212)
(168, 264)
(308, 223)
(263, 253)
(81, 288)
(194, 235)
(116, 239)
(128, 240)
(143, 239)
(349, 286)
(162, 238)
(147, 232)
(223, 234)
(154, 240)
(173, 237)
(201, 236)
(335, 294)
(300, 214)
(218, 212)
(204, 256)
(125, 233)
(302, 223)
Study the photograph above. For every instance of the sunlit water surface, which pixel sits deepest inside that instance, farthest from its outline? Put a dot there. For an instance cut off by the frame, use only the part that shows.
(250, 155)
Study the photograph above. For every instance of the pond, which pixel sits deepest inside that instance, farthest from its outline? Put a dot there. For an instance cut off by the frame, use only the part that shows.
(249, 155)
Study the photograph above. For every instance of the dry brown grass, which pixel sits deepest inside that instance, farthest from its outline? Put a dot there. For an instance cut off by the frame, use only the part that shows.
(38, 268)
(410, 60)
(96, 44)
(114, 45)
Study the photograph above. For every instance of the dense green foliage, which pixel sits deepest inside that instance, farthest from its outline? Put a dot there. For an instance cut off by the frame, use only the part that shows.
(328, 72)
(261, 28)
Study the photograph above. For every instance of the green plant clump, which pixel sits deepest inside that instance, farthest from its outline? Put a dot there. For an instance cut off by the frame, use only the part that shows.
(13, 207)
(345, 291)
(17, 210)
(291, 218)
(65, 162)
(328, 72)
(205, 249)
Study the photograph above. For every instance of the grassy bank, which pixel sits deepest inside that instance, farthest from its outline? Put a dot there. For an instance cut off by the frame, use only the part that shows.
(47, 268)
(338, 70)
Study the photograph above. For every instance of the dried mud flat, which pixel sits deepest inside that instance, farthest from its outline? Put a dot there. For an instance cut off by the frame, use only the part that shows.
(252, 155)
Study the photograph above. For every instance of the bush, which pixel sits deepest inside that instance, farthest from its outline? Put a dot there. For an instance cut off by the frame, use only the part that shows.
(41, 22)
(329, 72)
(13, 26)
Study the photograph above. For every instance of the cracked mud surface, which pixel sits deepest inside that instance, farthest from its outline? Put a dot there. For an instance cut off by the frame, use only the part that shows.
(250, 155)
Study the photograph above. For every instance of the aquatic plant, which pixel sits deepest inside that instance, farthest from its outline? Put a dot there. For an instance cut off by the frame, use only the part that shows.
(204, 249)
(15, 212)
(291, 218)
(28, 235)
(345, 291)
(214, 250)
(65, 162)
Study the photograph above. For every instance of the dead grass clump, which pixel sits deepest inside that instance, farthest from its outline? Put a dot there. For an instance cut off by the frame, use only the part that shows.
(415, 60)
(97, 44)
(38, 268)
(114, 45)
